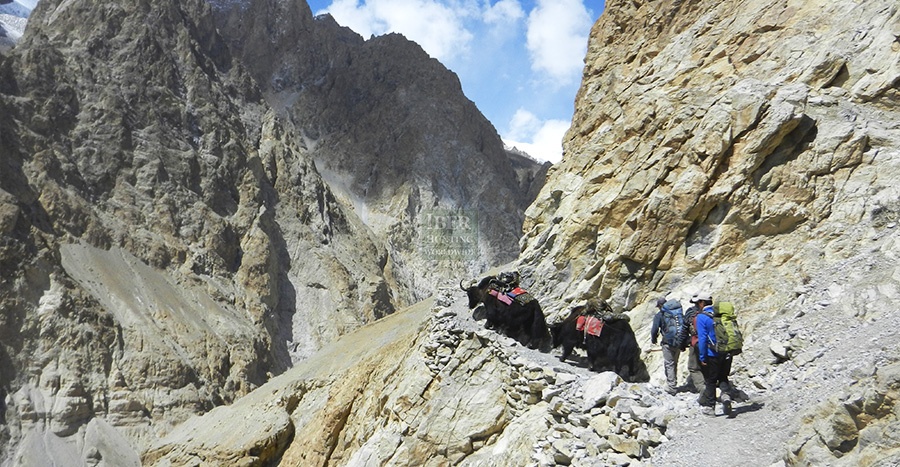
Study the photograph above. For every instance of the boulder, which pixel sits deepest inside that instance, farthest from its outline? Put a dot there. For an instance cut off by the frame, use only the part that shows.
(598, 388)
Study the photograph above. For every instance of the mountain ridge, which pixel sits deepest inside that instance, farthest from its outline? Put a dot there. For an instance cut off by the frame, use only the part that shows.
(173, 261)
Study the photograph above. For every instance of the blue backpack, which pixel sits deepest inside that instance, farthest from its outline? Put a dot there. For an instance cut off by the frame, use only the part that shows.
(672, 322)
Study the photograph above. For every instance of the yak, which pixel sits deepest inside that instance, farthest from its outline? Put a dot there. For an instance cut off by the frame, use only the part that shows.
(616, 346)
(522, 321)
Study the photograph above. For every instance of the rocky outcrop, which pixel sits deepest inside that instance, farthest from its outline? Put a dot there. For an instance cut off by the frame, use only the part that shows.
(168, 241)
(166, 246)
(428, 386)
(721, 146)
(394, 136)
(747, 151)
(853, 428)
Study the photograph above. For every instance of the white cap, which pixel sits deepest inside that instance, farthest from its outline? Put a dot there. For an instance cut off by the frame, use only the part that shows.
(701, 296)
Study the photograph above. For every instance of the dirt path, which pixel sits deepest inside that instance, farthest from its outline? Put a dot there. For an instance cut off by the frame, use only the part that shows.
(840, 347)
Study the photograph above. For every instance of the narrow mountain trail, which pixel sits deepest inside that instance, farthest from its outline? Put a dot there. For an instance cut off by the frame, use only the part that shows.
(839, 353)
(761, 431)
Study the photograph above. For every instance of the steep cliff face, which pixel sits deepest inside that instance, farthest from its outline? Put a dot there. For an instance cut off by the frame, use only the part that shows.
(746, 150)
(166, 246)
(722, 146)
(393, 134)
(162, 229)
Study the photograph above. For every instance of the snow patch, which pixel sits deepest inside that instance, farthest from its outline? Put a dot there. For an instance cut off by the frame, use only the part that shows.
(12, 26)
(13, 17)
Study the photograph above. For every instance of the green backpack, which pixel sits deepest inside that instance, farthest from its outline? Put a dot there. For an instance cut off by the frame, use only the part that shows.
(729, 339)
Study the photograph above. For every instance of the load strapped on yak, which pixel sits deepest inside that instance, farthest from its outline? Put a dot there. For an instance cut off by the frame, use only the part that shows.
(729, 339)
(505, 287)
(509, 280)
(594, 314)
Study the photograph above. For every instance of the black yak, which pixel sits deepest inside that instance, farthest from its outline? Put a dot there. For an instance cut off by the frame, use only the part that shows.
(520, 318)
(616, 346)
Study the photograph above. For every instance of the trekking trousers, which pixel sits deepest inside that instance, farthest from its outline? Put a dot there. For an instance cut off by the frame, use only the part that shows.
(670, 362)
(712, 373)
(695, 375)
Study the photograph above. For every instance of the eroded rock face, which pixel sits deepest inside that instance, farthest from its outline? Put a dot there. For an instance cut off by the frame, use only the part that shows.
(723, 147)
(394, 136)
(748, 152)
(852, 427)
(166, 245)
(167, 240)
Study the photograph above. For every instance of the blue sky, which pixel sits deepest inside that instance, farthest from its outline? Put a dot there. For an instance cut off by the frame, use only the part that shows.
(520, 61)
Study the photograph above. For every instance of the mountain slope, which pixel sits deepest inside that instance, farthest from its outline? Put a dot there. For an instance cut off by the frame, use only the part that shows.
(742, 149)
(393, 134)
(166, 245)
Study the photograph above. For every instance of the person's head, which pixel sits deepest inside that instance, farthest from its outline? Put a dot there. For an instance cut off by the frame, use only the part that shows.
(702, 299)
(660, 302)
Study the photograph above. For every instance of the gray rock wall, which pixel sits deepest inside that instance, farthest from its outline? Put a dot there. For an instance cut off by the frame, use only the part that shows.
(394, 137)
(722, 147)
(166, 245)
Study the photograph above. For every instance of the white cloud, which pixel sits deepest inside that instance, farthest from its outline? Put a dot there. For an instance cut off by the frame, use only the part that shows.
(482, 41)
(541, 139)
(438, 28)
(557, 39)
(503, 12)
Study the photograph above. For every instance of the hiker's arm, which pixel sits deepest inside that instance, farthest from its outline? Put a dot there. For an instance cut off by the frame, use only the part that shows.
(702, 335)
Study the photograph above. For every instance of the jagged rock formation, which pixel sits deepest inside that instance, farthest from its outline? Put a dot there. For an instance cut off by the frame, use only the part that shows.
(162, 236)
(393, 135)
(745, 149)
(712, 135)
(168, 243)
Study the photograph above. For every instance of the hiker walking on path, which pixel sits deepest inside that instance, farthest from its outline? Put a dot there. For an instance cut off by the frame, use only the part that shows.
(669, 322)
(688, 340)
(712, 364)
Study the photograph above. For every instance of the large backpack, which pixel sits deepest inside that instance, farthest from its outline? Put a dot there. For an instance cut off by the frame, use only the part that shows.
(729, 339)
(672, 322)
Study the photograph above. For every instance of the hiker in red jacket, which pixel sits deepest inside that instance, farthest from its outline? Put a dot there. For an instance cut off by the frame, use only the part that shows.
(688, 340)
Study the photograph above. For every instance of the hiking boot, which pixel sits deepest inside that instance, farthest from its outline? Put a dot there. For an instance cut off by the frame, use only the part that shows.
(740, 396)
(726, 404)
(708, 411)
(726, 409)
(671, 390)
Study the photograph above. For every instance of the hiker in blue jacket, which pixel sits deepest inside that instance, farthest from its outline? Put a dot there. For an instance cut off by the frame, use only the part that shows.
(711, 363)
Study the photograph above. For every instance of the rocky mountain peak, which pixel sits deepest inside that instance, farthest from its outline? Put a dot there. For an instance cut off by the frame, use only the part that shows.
(392, 133)
(195, 239)
(163, 233)
(168, 241)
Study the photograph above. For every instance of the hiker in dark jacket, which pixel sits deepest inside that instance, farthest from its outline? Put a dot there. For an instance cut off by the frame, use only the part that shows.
(687, 339)
(712, 364)
(670, 344)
